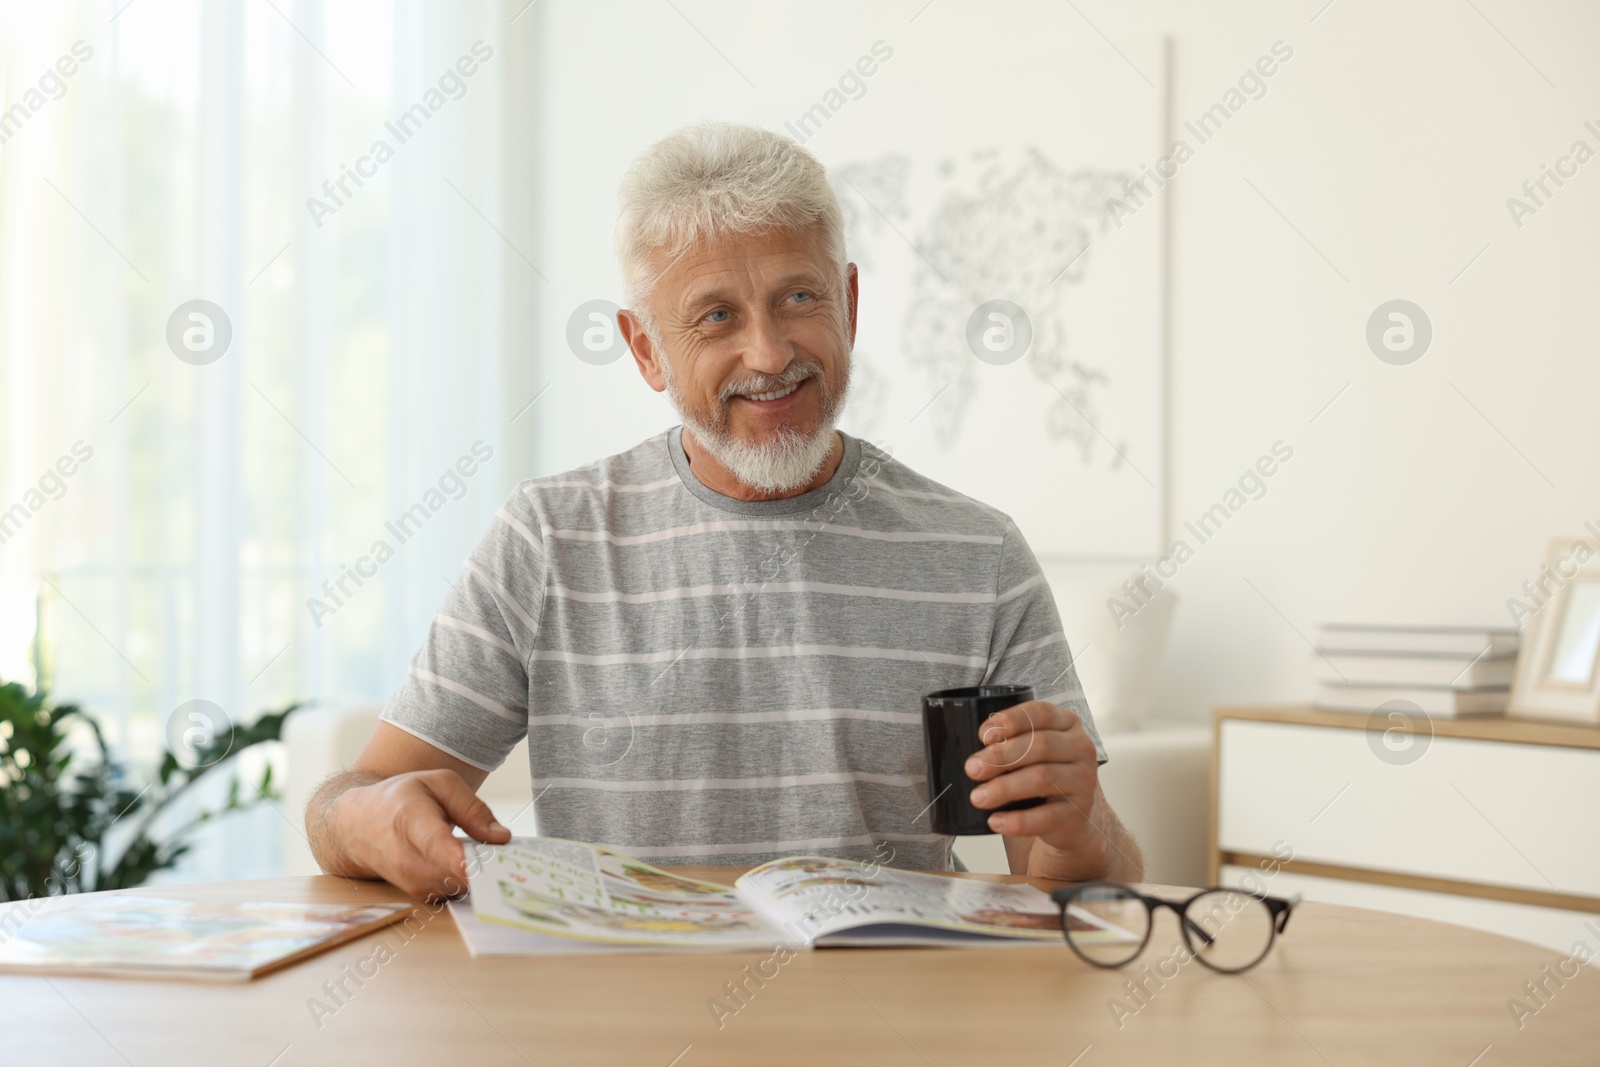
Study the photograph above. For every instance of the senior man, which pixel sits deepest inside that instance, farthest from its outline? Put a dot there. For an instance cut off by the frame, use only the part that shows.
(716, 641)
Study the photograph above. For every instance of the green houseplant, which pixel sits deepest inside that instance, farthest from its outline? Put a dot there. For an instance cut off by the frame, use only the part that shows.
(60, 810)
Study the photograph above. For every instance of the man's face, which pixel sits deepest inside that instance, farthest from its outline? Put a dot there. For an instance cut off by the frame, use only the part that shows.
(757, 333)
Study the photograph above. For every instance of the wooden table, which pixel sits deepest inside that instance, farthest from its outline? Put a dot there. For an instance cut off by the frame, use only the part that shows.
(1343, 986)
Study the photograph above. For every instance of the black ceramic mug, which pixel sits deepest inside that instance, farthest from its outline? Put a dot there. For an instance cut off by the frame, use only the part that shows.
(951, 720)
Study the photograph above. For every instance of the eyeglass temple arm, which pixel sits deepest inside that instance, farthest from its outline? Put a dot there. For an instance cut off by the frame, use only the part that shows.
(1197, 929)
(1282, 909)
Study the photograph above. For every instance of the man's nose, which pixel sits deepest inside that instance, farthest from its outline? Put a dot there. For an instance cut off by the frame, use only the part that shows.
(766, 350)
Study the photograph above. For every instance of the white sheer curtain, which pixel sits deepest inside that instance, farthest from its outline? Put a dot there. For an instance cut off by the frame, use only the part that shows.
(228, 152)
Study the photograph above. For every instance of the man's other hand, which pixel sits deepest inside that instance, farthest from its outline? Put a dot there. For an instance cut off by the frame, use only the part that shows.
(1036, 749)
(401, 828)
(393, 814)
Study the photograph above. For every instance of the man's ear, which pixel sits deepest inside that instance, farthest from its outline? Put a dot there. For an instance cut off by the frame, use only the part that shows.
(645, 354)
(855, 300)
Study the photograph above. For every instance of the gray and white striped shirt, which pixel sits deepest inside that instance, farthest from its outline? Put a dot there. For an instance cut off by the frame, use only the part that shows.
(710, 680)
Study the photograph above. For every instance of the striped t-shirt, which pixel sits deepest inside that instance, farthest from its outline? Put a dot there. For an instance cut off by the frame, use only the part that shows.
(710, 680)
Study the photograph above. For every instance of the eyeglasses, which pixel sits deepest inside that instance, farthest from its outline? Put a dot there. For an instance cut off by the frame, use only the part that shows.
(1227, 930)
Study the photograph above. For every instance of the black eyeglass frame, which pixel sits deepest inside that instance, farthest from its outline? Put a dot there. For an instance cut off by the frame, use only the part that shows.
(1279, 907)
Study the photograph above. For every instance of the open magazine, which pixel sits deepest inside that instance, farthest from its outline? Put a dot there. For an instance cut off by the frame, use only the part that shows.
(544, 895)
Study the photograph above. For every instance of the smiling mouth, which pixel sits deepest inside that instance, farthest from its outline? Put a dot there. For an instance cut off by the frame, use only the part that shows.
(775, 394)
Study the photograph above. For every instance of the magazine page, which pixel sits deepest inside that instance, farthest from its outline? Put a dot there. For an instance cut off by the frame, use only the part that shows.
(490, 939)
(589, 893)
(835, 901)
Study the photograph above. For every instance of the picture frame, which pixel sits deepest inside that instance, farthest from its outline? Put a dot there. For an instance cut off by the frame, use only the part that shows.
(1558, 669)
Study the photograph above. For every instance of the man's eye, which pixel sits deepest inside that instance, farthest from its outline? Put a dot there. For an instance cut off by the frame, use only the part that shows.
(711, 317)
(803, 295)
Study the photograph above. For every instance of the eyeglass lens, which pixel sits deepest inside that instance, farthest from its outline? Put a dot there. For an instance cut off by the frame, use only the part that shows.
(1113, 906)
(1228, 930)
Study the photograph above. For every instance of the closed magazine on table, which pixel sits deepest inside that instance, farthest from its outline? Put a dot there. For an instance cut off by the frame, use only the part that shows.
(535, 896)
(131, 935)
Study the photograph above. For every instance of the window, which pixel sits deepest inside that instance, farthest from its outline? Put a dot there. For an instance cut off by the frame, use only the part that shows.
(194, 493)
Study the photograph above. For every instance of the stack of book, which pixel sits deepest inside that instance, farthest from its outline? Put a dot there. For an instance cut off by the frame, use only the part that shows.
(1445, 671)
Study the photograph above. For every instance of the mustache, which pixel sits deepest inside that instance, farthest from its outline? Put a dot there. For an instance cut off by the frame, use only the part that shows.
(766, 383)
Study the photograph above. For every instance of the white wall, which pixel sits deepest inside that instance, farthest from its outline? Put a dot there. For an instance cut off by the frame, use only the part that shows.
(1390, 142)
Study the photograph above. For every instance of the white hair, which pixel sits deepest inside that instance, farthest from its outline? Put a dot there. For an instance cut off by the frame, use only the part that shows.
(714, 180)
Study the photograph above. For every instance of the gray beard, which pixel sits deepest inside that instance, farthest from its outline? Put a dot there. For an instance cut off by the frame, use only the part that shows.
(781, 465)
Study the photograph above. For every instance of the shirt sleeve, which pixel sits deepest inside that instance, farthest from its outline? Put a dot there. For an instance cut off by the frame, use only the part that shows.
(1028, 645)
(467, 690)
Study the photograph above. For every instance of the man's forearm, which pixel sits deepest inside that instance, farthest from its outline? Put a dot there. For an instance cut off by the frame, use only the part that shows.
(1111, 852)
(1123, 860)
(331, 852)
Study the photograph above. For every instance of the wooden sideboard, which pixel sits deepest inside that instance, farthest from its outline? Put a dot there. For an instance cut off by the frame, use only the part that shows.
(1487, 822)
